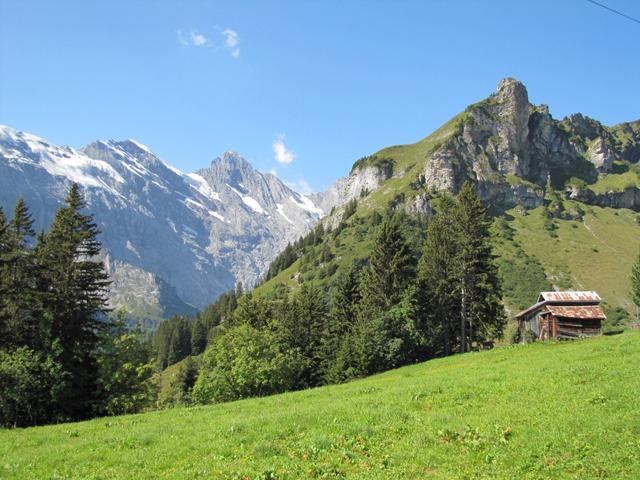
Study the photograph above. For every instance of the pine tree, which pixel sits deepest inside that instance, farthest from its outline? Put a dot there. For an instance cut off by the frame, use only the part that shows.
(180, 341)
(391, 269)
(342, 316)
(302, 327)
(436, 296)
(4, 284)
(75, 302)
(635, 284)
(481, 310)
(19, 307)
(199, 333)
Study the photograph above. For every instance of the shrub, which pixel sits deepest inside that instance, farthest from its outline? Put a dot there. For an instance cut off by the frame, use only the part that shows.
(30, 384)
(245, 362)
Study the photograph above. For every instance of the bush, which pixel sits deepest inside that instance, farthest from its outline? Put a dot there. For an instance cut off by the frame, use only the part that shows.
(30, 384)
(245, 362)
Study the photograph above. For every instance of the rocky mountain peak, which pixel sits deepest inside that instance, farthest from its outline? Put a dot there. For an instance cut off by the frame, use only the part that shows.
(512, 90)
(172, 240)
(513, 105)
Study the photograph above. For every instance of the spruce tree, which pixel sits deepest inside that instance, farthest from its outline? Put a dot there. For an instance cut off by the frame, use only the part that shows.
(436, 295)
(302, 329)
(199, 333)
(342, 316)
(481, 310)
(391, 269)
(180, 341)
(4, 284)
(19, 306)
(75, 302)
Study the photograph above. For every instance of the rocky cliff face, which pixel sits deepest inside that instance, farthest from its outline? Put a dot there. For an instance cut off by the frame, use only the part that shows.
(512, 150)
(173, 241)
(347, 188)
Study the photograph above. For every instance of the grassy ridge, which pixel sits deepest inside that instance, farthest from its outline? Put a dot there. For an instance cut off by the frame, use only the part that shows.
(552, 410)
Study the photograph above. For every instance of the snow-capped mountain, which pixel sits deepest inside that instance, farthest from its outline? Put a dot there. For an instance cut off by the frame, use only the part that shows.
(173, 241)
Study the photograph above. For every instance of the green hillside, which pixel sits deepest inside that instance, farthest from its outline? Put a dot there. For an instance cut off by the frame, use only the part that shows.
(546, 410)
(563, 244)
(593, 253)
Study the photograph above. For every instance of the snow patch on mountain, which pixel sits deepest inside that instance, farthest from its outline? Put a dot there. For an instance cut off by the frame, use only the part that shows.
(281, 212)
(201, 185)
(306, 203)
(172, 240)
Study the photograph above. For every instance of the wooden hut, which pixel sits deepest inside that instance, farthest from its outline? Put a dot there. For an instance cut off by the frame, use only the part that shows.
(562, 315)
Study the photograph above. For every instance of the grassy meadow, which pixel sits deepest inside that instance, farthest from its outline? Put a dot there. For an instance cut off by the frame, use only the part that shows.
(546, 410)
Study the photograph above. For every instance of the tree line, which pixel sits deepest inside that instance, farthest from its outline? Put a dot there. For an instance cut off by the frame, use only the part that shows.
(65, 356)
(61, 356)
(398, 308)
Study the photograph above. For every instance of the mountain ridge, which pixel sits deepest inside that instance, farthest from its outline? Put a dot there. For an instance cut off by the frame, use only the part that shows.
(173, 241)
(552, 180)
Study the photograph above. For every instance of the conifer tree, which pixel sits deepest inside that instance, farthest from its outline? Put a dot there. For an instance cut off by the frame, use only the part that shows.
(4, 284)
(180, 341)
(342, 316)
(75, 302)
(436, 296)
(481, 310)
(19, 306)
(302, 329)
(199, 333)
(391, 269)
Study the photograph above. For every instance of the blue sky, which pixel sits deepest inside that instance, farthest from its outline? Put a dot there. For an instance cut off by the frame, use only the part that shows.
(301, 87)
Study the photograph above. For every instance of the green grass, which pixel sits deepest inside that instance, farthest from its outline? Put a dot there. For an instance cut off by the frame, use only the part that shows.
(547, 410)
(595, 254)
(616, 182)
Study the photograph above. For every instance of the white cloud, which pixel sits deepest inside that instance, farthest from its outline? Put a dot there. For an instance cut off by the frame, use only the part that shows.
(231, 42)
(281, 153)
(192, 39)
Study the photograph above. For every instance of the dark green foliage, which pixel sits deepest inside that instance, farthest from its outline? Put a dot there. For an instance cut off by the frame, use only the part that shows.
(383, 164)
(75, 303)
(391, 269)
(482, 314)
(180, 388)
(53, 303)
(30, 385)
(458, 292)
(615, 315)
(199, 333)
(437, 296)
(254, 311)
(522, 277)
(245, 362)
(19, 300)
(302, 325)
(172, 341)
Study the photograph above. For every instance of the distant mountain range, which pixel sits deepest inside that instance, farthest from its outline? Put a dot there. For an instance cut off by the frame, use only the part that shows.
(172, 241)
